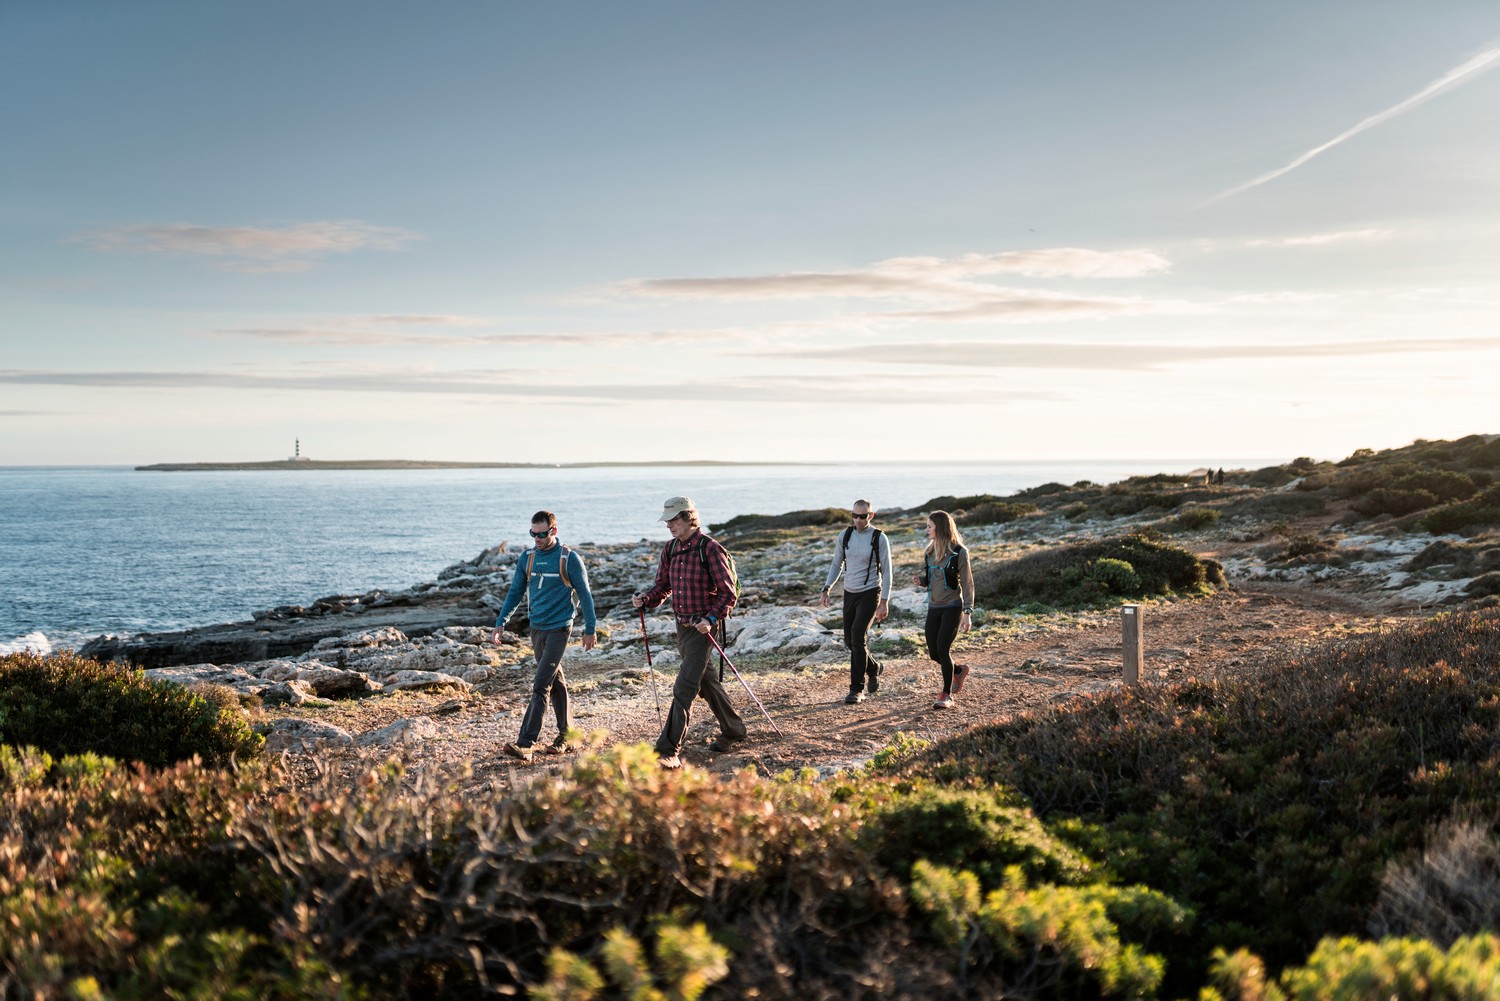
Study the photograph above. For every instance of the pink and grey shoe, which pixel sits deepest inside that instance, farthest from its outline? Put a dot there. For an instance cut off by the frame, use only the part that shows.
(960, 675)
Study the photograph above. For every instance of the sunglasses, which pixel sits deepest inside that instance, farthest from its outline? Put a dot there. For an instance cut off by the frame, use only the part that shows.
(862, 517)
(679, 517)
(540, 535)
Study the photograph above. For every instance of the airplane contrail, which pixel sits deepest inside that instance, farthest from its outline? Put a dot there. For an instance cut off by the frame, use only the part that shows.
(1462, 73)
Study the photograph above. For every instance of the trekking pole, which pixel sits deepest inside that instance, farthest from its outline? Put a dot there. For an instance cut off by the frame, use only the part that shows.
(737, 674)
(649, 669)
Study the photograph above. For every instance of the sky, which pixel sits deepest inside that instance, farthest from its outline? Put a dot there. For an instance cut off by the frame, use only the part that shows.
(603, 231)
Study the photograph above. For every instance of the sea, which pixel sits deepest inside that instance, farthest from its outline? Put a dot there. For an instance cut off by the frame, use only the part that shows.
(90, 550)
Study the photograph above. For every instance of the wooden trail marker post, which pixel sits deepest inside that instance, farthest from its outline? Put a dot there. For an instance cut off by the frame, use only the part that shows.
(1130, 626)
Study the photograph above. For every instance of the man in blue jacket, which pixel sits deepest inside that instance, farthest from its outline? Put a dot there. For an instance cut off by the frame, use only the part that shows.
(548, 576)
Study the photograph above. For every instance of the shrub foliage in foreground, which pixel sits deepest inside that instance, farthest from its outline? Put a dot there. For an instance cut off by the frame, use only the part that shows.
(1271, 803)
(64, 704)
(1093, 572)
(608, 879)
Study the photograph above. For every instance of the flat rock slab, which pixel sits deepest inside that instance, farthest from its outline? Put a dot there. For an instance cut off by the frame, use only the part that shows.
(301, 736)
(291, 636)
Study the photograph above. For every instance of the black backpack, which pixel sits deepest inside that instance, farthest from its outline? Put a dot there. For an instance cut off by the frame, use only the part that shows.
(874, 552)
(950, 569)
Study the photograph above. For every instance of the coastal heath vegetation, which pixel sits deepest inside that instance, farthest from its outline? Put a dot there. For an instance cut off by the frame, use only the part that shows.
(1232, 838)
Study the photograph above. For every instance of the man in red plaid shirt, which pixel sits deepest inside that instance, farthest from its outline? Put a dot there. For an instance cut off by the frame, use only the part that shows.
(694, 573)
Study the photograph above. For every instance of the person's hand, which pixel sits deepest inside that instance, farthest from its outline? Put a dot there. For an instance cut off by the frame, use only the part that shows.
(824, 599)
(916, 579)
(637, 600)
(587, 642)
(963, 622)
(882, 610)
(704, 626)
(497, 636)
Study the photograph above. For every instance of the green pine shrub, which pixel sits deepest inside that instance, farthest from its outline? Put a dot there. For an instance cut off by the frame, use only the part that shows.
(995, 513)
(66, 705)
(1093, 573)
(1481, 511)
(1195, 519)
(1269, 803)
(1393, 501)
(1400, 969)
(973, 829)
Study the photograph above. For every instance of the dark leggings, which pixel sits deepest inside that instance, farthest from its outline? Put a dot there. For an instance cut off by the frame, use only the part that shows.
(942, 630)
(859, 610)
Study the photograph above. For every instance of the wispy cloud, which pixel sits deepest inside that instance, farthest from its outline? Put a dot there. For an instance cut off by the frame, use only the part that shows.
(909, 277)
(295, 247)
(30, 413)
(1325, 239)
(1137, 357)
(1460, 74)
(1020, 305)
(748, 389)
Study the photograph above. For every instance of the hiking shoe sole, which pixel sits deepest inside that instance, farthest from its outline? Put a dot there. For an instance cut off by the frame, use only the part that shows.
(517, 751)
(854, 698)
(944, 702)
(670, 762)
(558, 749)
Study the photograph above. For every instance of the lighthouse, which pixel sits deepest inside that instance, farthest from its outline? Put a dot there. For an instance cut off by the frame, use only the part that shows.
(297, 455)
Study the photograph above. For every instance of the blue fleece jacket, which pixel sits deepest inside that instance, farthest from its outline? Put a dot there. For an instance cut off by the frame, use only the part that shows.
(550, 600)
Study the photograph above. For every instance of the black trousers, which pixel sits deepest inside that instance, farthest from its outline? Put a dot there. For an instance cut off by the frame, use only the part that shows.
(693, 679)
(859, 611)
(942, 630)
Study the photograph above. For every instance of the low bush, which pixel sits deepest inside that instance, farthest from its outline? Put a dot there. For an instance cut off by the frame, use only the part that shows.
(1195, 519)
(66, 705)
(1397, 968)
(1482, 511)
(1269, 803)
(1392, 501)
(743, 523)
(972, 829)
(1277, 507)
(995, 513)
(1453, 890)
(1094, 572)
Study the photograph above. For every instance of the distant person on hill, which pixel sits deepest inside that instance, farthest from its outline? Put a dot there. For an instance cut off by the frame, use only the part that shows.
(949, 580)
(694, 572)
(548, 576)
(862, 556)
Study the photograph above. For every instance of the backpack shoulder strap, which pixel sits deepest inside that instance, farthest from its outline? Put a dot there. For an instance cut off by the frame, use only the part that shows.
(848, 534)
(562, 566)
(530, 561)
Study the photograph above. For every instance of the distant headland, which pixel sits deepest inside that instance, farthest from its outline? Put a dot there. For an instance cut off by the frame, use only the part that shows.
(305, 464)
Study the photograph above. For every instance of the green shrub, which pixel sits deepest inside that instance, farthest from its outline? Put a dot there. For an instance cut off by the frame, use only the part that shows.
(995, 513)
(972, 829)
(815, 517)
(1276, 507)
(1090, 573)
(1270, 803)
(1486, 456)
(1195, 519)
(1389, 500)
(1049, 941)
(1401, 969)
(66, 705)
(1484, 584)
(1480, 511)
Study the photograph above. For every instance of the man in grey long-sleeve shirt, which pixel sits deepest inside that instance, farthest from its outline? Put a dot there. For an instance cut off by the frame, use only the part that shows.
(863, 557)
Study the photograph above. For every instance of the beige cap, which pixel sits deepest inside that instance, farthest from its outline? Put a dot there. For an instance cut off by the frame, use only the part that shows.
(675, 506)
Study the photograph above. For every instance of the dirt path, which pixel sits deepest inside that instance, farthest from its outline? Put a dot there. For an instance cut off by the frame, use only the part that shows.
(1229, 631)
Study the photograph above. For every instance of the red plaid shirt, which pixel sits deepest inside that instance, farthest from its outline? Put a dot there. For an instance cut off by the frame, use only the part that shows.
(694, 591)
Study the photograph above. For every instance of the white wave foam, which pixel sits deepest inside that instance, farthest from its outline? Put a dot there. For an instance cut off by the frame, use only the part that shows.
(36, 642)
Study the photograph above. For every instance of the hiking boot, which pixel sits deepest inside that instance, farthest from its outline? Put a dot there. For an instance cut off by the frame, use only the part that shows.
(960, 675)
(559, 746)
(854, 698)
(944, 701)
(872, 677)
(670, 762)
(517, 751)
(723, 742)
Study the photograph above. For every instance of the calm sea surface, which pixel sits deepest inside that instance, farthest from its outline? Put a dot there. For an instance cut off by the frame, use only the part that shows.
(106, 549)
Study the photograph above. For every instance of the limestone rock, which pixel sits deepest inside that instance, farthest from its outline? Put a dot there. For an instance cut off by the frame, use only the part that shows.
(331, 683)
(290, 693)
(300, 736)
(402, 680)
(403, 731)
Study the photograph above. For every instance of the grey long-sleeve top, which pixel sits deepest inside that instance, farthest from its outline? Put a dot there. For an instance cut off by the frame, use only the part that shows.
(856, 565)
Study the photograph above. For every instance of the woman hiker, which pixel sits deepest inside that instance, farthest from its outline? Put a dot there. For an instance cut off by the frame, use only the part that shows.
(949, 580)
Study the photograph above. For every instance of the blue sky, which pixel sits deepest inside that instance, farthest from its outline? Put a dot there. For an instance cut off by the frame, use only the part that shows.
(599, 231)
